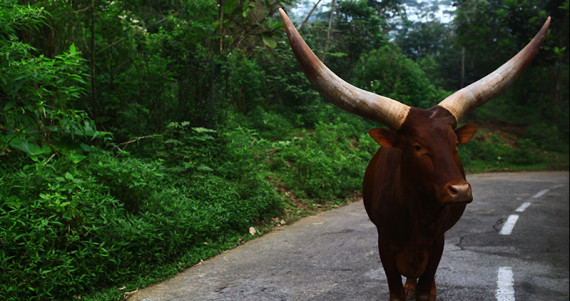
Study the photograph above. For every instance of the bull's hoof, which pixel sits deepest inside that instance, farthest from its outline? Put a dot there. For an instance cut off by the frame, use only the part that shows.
(397, 297)
(410, 294)
(410, 288)
(432, 296)
(427, 298)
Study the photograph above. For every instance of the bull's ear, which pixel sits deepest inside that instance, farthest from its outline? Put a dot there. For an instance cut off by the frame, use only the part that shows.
(466, 132)
(384, 137)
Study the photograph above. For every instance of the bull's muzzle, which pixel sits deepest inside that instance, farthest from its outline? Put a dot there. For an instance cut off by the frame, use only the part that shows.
(459, 193)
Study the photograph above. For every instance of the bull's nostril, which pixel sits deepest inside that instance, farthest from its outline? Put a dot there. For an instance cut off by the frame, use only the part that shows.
(452, 189)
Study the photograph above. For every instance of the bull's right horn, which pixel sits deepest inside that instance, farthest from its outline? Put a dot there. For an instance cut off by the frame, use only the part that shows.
(489, 86)
(340, 93)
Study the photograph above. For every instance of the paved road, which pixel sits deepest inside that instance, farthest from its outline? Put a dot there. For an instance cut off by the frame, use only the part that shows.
(333, 256)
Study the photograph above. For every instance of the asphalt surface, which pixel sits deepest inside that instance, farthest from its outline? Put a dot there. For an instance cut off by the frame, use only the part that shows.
(334, 256)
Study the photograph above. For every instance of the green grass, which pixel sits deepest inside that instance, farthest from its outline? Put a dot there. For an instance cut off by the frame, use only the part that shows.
(552, 161)
(494, 150)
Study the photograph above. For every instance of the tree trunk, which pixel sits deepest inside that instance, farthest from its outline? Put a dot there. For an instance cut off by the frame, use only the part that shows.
(211, 108)
(329, 31)
(93, 95)
(221, 26)
(462, 67)
(309, 15)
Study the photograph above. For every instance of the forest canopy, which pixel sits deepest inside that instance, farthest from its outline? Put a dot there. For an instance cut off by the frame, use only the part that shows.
(138, 137)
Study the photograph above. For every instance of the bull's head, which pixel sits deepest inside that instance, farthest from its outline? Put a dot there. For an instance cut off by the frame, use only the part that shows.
(427, 138)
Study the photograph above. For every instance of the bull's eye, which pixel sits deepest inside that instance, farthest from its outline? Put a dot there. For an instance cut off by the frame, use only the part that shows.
(417, 147)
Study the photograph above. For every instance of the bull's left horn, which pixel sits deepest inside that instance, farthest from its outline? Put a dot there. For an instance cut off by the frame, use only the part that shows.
(340, 93)
(488, 87)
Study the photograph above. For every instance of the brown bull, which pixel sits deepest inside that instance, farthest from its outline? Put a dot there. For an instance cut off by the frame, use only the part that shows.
(414, 187)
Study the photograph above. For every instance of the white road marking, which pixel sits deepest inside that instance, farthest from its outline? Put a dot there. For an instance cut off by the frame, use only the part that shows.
(509, 225)
(523, 207)
(536, 196)
(505, 281)
(505, 285)
(540, 193)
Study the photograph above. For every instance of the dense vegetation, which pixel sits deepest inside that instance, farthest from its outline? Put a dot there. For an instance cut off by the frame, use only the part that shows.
(139, 137)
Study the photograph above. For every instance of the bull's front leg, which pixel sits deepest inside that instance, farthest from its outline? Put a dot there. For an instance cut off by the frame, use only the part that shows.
(426, 289)
(393, 276)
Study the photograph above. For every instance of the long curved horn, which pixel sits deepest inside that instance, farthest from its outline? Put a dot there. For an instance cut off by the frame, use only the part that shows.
(488, 87)
(340, 93)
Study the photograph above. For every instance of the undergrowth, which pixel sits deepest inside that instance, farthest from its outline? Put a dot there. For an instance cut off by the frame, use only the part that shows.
(69, 229)
(494, 150)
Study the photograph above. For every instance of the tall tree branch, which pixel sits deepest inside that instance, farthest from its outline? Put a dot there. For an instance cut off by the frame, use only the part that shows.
(221, 26)
(309, 15)
(93, 97)
(329, 31)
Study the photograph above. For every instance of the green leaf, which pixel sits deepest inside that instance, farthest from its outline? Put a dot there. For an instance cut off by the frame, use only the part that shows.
(203, 130)
(16, 86)
(68, 176)
(86, 147)
(272, 24)
(205, 168)
(32, 149)
(337, 54)
(8, 106)
(268, 40)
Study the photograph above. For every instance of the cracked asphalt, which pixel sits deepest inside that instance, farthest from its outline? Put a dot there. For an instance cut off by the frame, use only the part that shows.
(334, 256)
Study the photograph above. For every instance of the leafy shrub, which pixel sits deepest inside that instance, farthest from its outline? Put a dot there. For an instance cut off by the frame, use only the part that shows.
(183, 149)
(491, 148)
(271, 123)
(37, 91)
(246, 82)
(67, 228)
(326, 164)
(386, 71)
(48, 227)
(285, 82)
(547, 136)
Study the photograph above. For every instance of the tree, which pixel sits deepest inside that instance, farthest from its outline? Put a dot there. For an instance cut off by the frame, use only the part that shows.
(37, 92)
(386, 71)
(493, 31)
(432, 45)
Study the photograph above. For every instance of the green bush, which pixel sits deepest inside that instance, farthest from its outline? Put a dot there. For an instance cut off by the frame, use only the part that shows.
(497, 152)
(272, 123)
(547, 136)
(49, 220)
(326, 164)
(37, 92)
(246, 86)
(386, 71)
(68, 228)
